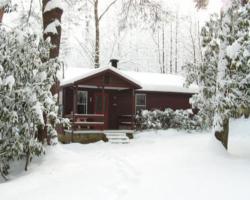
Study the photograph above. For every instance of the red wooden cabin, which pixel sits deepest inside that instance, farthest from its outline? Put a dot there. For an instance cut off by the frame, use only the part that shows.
(108, 98)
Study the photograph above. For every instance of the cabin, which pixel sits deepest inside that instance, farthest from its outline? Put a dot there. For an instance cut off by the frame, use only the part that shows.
(107, 98)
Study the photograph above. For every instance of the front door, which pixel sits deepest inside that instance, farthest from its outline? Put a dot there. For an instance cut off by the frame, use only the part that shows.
(101, 107)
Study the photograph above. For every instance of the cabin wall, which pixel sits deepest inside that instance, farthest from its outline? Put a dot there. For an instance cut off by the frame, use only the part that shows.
(120, 101)
(163, 100)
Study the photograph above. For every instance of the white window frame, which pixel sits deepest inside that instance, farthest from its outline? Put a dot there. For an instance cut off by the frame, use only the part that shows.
(83, 104)
(140, 106)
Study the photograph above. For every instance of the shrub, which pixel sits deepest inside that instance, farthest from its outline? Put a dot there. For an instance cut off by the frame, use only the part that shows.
(179, 119)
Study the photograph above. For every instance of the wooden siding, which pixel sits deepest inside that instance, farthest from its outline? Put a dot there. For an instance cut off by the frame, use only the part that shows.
(163, 100)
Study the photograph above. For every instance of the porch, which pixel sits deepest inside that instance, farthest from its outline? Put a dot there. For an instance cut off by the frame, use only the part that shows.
(85, 123)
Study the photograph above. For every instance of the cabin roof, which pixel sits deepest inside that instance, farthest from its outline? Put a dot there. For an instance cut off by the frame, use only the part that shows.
(148, 81)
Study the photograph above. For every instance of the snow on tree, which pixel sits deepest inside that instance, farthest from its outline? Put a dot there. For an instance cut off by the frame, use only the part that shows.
(52, 12)
(224, 75)
(205, 73)
(232, 92)
(25, 83)
(4, 3)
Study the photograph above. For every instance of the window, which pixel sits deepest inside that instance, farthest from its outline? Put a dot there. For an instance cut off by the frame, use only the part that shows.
(60, 109)
(140, 102)
(82, 102)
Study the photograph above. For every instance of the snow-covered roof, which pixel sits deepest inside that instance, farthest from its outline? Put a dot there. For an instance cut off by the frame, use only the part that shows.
(148, 81)
(86, 72)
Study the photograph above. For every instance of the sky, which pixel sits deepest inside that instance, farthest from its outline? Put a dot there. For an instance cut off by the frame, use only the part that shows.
(187, 7)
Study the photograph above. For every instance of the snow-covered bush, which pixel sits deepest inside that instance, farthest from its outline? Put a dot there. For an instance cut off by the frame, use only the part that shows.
(179, 119)
(26, 77)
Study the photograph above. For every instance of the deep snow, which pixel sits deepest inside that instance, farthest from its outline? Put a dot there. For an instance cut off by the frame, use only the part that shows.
(155, 165)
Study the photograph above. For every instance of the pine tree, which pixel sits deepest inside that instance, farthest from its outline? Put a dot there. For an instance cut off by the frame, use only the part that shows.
(205, 73)
(231, 92)
(224, 75)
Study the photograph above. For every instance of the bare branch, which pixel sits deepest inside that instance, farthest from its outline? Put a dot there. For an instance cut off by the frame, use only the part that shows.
(107, 9)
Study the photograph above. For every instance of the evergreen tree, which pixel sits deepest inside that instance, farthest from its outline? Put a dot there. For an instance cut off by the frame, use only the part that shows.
(224, 75)
(25, 83)
(204, 74)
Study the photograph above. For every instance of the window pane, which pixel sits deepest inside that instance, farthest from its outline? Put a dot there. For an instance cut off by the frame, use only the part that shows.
(82, 97)
(140, 108)
(140, 102)
(141, 99)
(60, 97)
(82, 102)
(82, 109)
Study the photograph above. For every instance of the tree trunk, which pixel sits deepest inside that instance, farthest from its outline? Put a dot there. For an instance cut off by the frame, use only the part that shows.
(223, 135)
(193, 42)
(55, 39)
(199, 41)
(163, 50)
(176, 43)
(49, 17)
(97, 36)
(1, 14)
(27, 160)
(244, 2)
(171, 48)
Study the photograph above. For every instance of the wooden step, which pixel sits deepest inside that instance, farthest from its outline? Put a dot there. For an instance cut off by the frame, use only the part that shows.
(116, 134)
(88, 123)
(120, 142)
(117, 137)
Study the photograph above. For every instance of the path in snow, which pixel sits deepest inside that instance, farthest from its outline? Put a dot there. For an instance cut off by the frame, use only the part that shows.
(164, 165)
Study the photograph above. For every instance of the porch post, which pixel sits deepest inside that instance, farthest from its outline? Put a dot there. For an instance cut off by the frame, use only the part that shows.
(76, 97)
(74, 110)
(103, 104)
(133, 109)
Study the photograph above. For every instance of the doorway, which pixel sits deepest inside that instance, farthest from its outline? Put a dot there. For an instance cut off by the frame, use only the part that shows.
(101, 107)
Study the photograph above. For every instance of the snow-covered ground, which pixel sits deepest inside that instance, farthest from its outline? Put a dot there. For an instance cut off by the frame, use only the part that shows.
(163, 165)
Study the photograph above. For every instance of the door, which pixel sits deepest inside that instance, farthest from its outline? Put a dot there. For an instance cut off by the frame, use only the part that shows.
(101, 107)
